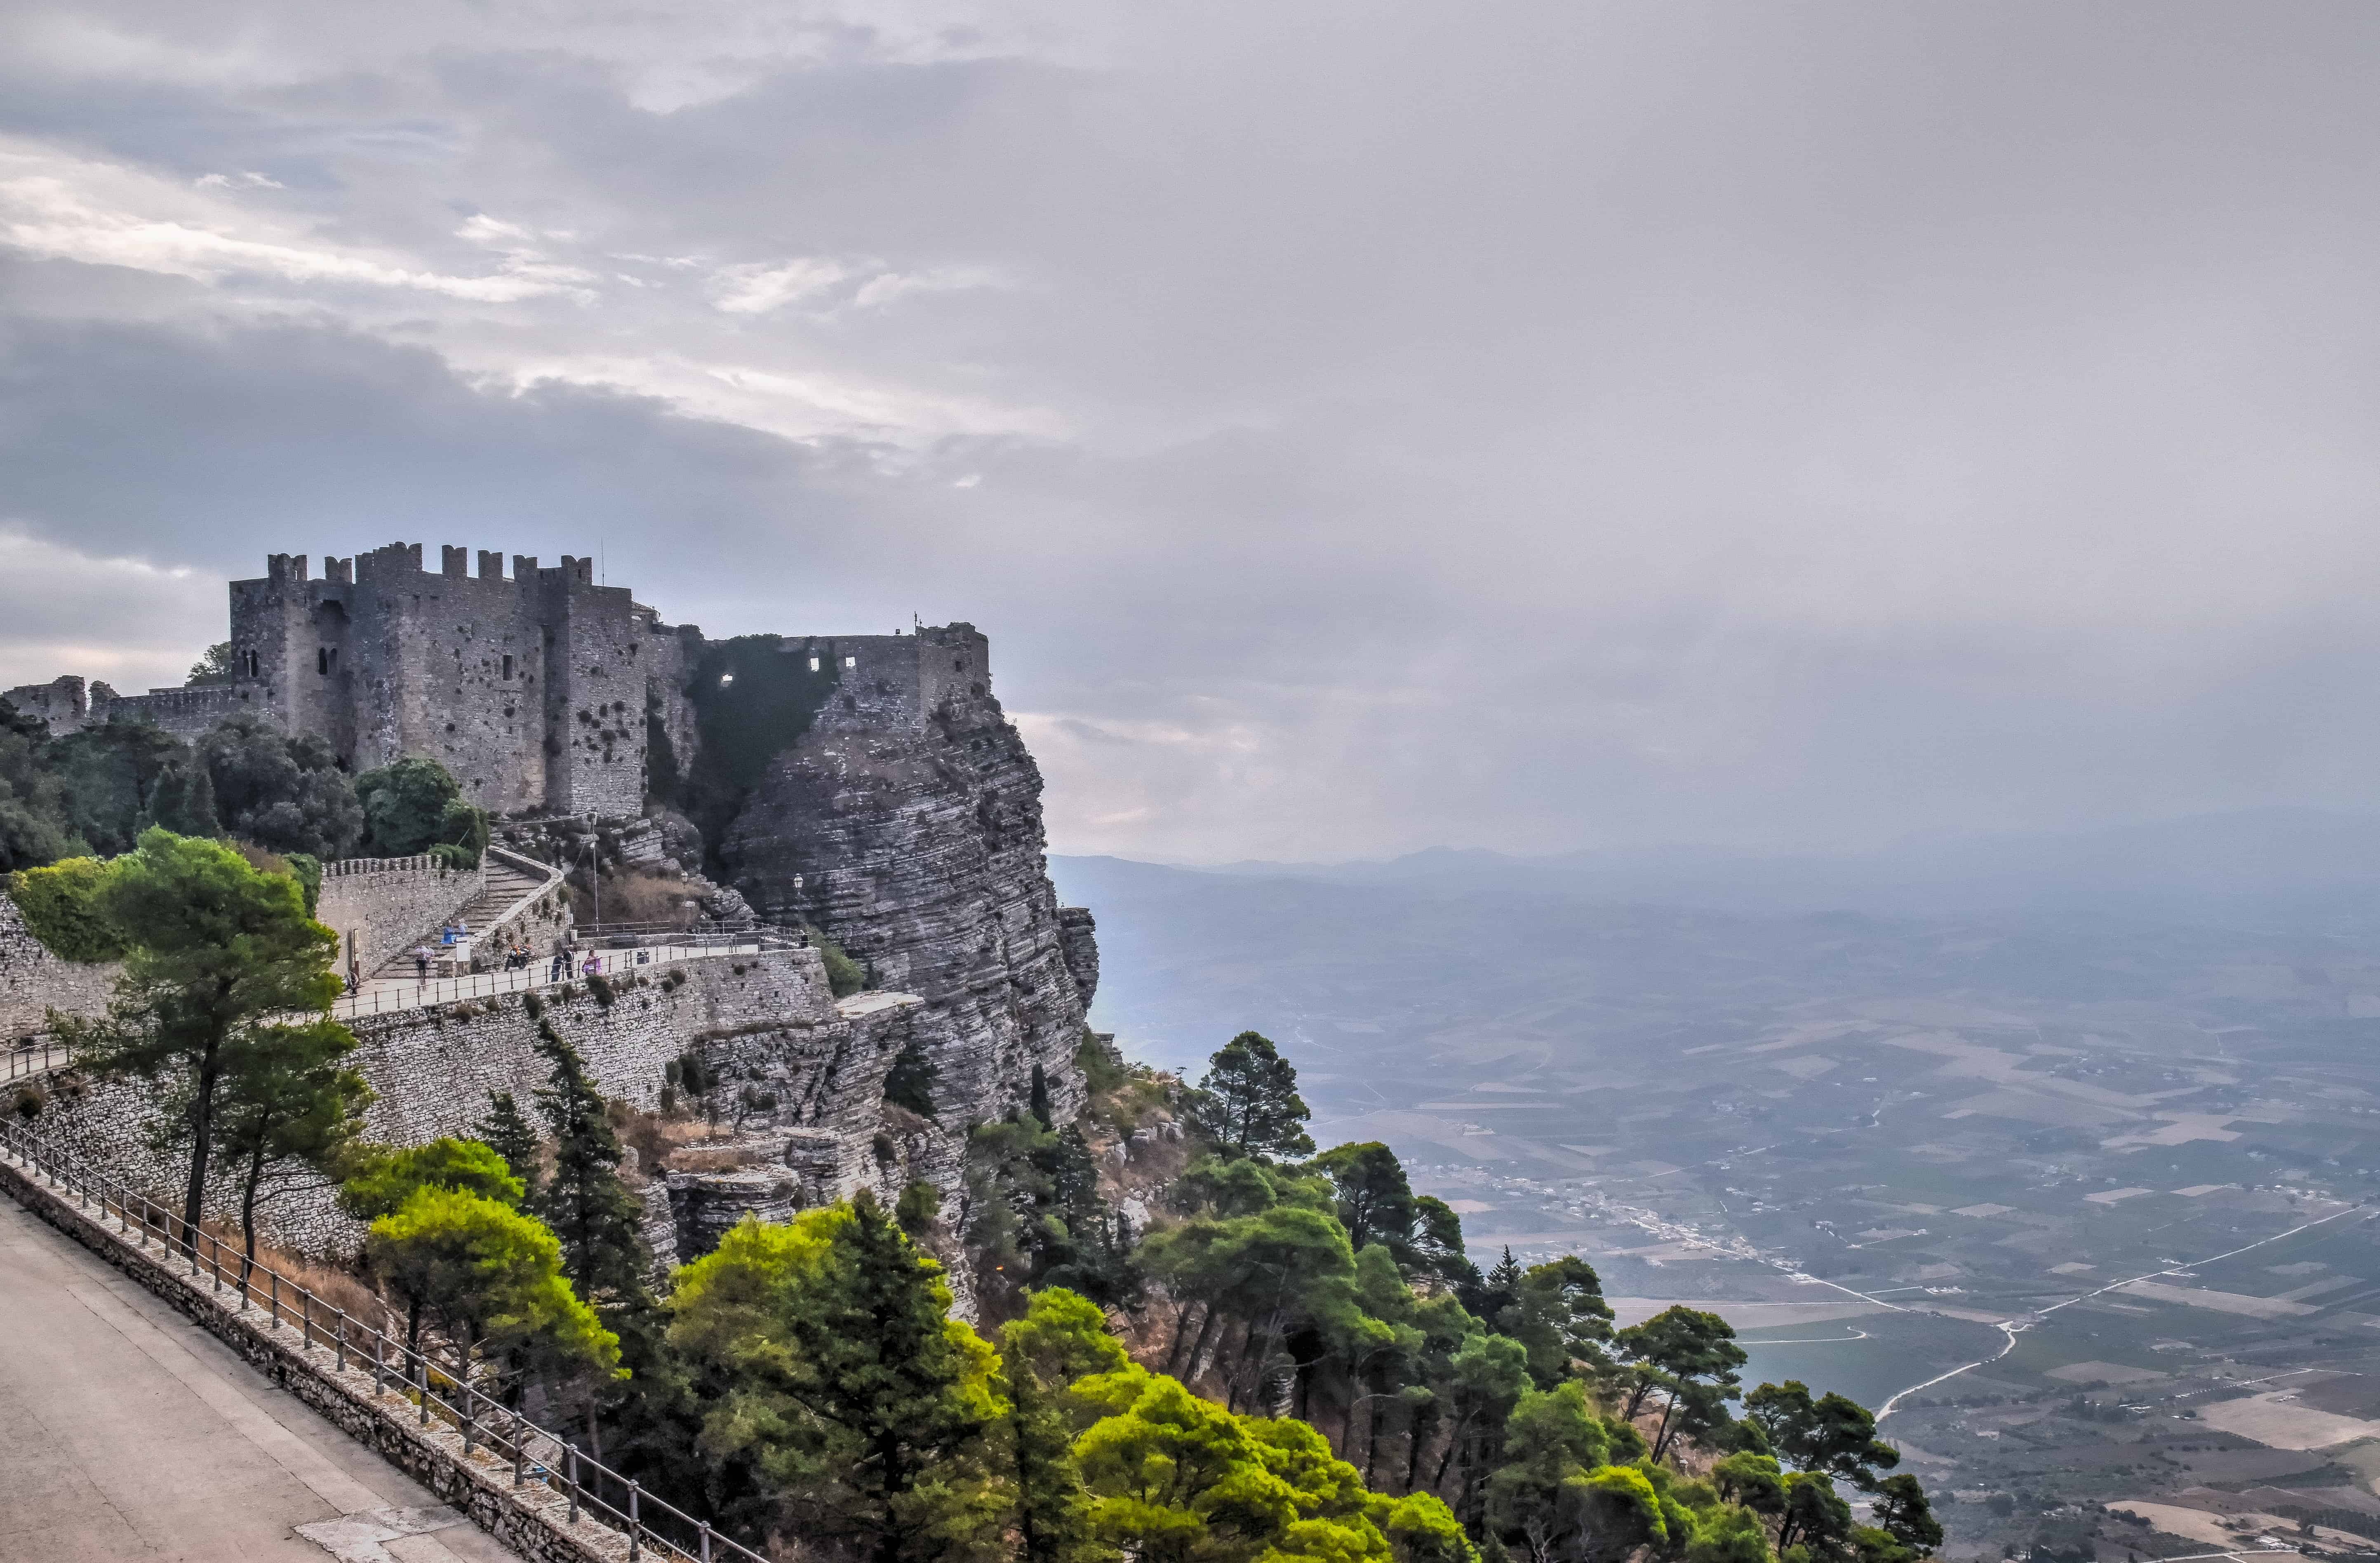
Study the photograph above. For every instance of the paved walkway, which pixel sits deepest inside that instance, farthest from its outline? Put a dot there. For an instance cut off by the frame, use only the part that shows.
(402, 990)
(127, 1431)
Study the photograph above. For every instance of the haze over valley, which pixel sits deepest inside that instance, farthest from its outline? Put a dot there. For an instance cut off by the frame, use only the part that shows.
(1886, 1137)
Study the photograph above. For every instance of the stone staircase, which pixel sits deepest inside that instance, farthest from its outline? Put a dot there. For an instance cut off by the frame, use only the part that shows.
(507, 886)
(509, 883)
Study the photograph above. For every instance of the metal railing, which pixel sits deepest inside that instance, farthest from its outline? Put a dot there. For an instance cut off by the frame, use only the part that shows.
(401, 1379)
(388, 995)
(548, 877)
(35, 1057)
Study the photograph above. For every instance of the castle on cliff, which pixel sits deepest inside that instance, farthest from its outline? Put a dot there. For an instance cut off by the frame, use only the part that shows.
(536, 689)
(867, 789)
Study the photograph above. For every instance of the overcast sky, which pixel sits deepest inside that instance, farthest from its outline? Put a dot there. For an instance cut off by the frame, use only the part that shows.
(1358, 426)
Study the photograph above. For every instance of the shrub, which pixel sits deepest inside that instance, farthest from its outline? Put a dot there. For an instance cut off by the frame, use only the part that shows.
(61, 908)
(843, 976)
(601, 987)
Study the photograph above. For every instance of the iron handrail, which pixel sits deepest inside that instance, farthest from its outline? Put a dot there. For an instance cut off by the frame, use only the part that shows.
(434, 1390)
(36, 1057)
(389, 994)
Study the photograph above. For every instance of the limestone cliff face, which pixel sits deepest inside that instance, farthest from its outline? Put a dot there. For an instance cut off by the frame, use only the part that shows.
(918, 846)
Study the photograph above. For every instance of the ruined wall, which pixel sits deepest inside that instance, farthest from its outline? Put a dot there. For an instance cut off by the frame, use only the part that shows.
(33, 982)
(912, 836)
(379, 907)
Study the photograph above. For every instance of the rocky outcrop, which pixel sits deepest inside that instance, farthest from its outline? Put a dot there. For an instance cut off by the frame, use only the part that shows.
(918, 847)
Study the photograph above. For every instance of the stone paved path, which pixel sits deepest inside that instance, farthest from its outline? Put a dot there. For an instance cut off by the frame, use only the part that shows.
(128, 1433)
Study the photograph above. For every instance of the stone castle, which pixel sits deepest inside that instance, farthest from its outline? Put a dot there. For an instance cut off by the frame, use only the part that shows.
(533, 688)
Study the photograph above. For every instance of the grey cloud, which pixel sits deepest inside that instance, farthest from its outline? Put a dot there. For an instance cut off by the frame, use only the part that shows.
(1369, 426)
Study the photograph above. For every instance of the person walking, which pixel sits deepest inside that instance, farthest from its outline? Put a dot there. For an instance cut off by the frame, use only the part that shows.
(421, 963)
(559, 967)
(593, 965)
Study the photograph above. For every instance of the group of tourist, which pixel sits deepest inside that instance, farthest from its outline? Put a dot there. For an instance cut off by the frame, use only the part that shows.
(517, 957)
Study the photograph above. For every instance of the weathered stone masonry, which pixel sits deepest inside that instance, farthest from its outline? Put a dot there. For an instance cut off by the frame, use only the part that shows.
(766, 1022)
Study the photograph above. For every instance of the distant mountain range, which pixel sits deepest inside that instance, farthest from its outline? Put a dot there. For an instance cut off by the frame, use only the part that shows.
(2263, 865)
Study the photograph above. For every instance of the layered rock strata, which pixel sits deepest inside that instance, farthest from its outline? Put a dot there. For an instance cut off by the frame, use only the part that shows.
(918, 847)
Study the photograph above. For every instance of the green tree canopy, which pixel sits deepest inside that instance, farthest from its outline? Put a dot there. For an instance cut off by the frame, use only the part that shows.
(1559, 1315)
(599, 1221)
(381, 1180)
(213, 666)
(214, 951)
(857, 1413)
(1248, 1105)
(282, 792)
(413, 805)
(491, 1279)
(504, 1130)
(1832, 1435)
(289, 1101)
(1373, 1199)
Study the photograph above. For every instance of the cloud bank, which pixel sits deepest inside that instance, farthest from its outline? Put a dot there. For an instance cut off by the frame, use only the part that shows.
(1358, 427)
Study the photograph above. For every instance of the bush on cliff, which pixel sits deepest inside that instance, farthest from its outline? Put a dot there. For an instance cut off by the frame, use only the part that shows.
(61, 908)
(415, 805)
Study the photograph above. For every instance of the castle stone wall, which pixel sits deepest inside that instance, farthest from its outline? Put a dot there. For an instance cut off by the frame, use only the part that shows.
(381, 907)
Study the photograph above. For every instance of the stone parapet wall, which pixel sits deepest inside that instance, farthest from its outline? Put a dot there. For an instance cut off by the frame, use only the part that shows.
(381, 907)
(33, 982)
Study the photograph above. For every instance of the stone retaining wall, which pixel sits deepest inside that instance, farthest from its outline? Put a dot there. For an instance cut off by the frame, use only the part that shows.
(32, 981)
(766, 1024)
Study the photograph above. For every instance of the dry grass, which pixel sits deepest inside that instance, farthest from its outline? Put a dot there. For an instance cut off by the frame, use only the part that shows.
(340, 1288)
(635, 894)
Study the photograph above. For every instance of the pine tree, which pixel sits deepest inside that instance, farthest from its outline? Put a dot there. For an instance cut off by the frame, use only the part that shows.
(599, 1221)
(511, 1136)
(1248, 1105)
(842, 1402)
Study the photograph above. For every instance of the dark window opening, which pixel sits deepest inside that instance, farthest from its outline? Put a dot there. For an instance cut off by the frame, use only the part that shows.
(322, 659)
(508, 667)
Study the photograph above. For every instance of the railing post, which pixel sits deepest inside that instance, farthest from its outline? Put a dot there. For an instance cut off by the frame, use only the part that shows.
(706, 1542)
(305, 1320)
(517, 1442)
(341, 1347)
(470, 1422)
(425, 1391)
(275, 1304)
(570, 1477)
(635, 1526)
(379, 1365)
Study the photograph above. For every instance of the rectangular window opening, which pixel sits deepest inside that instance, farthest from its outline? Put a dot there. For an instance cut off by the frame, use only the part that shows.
(851, 662)
(814, 664)
(508, 667)
(322, 659)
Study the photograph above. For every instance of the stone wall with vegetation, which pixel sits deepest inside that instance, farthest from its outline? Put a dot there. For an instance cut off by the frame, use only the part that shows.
(798, 1081)
(32, 981)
